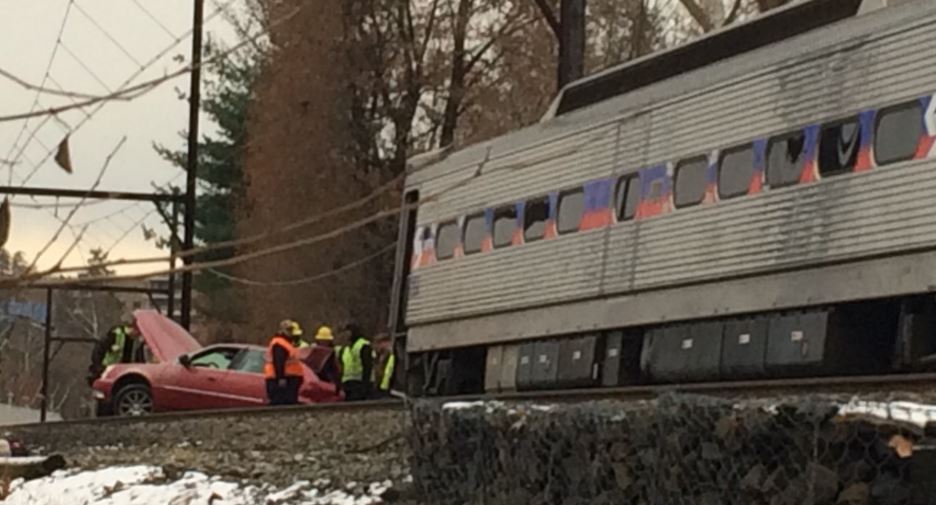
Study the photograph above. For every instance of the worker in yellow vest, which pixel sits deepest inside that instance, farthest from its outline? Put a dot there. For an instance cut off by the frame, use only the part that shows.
(282, 368)
(122, 344)
(386, 362)
(357, 364)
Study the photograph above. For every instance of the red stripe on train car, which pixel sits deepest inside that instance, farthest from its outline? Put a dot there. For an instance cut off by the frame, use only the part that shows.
(864, 162)
(551, 230)
(596, 219)
(924, 148)
(809, 172)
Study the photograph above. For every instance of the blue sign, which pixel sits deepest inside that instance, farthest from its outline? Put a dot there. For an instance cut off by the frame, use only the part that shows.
(27, 310)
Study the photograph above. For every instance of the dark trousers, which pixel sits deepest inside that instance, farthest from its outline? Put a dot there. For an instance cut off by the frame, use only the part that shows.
(356, 390)
(288, 395)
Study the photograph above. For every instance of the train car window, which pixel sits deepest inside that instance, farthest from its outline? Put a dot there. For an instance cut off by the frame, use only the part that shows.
(475, 230)
(690, 181)
(535, 215)
(505, 222)
(735, 170)
(571, 208)
(839, 144)
(785, 157)
(447, 240)
(898, 133)
(627, 197)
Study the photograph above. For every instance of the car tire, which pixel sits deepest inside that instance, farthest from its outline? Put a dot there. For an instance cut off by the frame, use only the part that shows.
(133, 400)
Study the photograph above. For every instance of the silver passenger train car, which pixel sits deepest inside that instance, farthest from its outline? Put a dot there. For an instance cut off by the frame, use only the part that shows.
(758, 203)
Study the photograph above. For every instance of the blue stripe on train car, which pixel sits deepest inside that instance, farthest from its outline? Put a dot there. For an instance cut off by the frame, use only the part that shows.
(597, 204)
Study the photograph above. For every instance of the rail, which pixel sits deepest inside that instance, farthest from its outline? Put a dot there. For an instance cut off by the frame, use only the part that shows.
(911, 383)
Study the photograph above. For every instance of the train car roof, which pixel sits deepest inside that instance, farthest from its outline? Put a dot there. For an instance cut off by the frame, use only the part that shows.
(781, 24)
(634, 84)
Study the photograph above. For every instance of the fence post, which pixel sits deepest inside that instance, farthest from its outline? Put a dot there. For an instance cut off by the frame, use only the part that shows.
(45, 357)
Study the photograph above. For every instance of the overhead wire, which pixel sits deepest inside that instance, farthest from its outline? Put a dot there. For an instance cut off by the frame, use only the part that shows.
(58, 38)
(107, 34)
(157, 21)
(129, 230)
(304, 280)
(359, 203)
(99, 105)
(86, 68)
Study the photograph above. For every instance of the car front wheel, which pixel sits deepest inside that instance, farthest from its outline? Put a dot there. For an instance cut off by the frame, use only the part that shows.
(133, 400)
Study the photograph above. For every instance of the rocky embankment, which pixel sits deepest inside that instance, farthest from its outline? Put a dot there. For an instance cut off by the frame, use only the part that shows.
(346, 448)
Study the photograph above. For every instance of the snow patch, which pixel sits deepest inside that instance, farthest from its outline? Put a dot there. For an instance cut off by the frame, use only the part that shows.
(910, 412)
(141, 485)
(21, 460)
(462, 405)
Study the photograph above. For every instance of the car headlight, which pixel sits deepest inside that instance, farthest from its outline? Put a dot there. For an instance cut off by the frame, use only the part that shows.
(98, 395)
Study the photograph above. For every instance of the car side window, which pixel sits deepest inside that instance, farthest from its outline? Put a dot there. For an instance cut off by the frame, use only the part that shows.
(839, 143)
(535, 216)
(475, 232)
(735, 171)
(690, 181)
(249, 361)
(571, 207)
(627, 196)
(219, 359)
(785, 157)
(505, 222)
(447, 240)
(899, 129)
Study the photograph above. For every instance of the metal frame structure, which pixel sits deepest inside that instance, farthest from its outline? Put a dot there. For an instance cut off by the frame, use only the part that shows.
(171, 220)
(50, 338)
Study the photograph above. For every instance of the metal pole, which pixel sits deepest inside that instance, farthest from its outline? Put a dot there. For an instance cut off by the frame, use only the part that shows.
(194, 106)
(571, 41)
(45, 357)
(173, 248)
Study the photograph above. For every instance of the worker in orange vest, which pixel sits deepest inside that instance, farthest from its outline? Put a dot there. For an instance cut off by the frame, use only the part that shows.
(282, 369)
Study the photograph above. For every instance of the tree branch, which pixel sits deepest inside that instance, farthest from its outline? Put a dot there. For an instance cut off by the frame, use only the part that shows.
(699, 15)
(733, 15)
(550, 17)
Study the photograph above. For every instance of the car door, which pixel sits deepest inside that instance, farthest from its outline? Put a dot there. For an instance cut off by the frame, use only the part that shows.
(205, 383)
(246, 379)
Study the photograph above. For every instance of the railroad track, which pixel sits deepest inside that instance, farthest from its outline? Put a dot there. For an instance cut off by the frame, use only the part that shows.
(920, 383)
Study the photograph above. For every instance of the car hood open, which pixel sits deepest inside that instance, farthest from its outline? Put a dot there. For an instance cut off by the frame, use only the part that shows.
(165, 339)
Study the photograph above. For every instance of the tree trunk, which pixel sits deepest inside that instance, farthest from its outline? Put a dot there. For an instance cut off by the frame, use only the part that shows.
(457, 81)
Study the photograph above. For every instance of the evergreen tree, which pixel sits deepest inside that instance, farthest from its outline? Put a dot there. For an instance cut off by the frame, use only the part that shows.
(228, 91)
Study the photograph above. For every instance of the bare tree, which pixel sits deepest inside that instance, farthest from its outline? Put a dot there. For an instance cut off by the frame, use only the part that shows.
(705, 12)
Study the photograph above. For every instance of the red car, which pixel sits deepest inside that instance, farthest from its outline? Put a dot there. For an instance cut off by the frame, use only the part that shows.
(180, 374)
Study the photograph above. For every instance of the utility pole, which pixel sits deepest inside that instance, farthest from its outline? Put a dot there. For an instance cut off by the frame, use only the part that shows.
(192, 168)
(569, 29)
(571, 41)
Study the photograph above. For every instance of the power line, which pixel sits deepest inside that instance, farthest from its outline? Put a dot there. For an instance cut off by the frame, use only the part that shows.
(304, 280)
(86, 68)
(108, 35)
(157, 21)
(123, 86)
(127, 232)
(55, 47)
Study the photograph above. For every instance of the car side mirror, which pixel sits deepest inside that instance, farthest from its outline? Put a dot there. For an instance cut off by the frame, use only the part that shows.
(185, 361)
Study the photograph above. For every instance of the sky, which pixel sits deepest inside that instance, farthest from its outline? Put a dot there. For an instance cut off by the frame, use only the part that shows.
(103, 43)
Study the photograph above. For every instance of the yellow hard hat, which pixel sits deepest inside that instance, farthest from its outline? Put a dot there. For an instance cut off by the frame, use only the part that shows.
(290, 328)
(324, 333)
